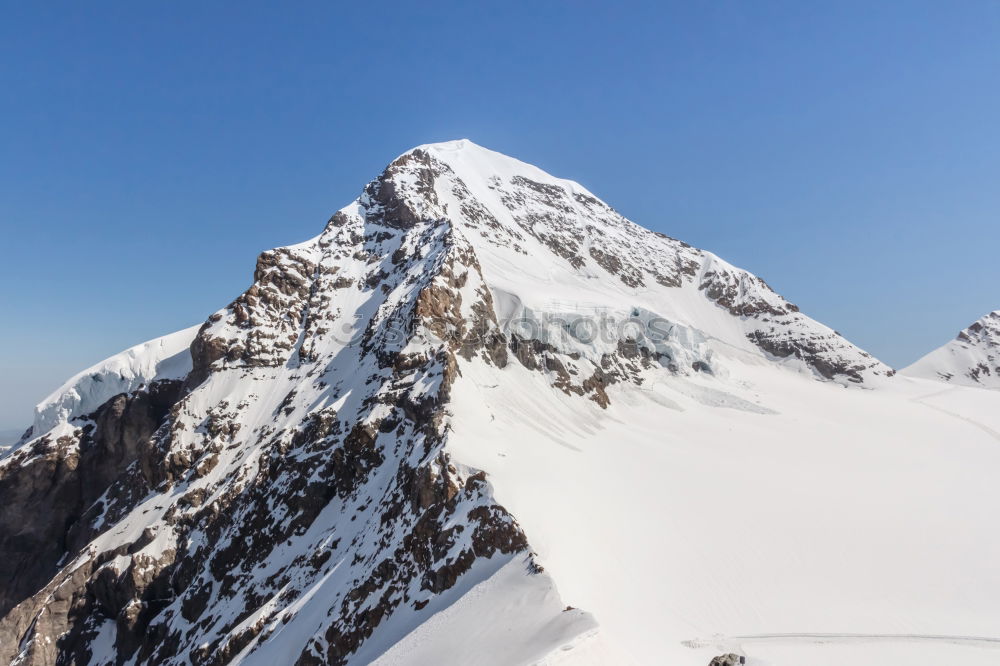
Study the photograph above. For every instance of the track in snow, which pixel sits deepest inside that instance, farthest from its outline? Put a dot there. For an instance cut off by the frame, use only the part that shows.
(985, 428)
(730, 642)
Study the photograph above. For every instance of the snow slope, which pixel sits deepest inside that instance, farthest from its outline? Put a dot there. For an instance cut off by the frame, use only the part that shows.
(673, 518)
(484, 419)
(729, 503)
(971, 359)
(163, 358)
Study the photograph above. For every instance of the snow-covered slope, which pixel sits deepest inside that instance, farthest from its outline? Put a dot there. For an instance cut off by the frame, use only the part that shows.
(559, 249)
(168, 357)
(971, 359)
(484, 419)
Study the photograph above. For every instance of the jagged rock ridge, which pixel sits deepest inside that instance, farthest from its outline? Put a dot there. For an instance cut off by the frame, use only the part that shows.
(972, 358)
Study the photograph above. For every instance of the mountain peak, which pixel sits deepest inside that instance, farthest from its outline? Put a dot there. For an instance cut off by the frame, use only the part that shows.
(548, 241)
(457, 149)
(972, 358)
(301, 478)
(453, 145)
(472, 162)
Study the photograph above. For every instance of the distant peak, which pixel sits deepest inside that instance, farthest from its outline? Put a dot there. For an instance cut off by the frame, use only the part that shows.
(985, 330)
(972, 358)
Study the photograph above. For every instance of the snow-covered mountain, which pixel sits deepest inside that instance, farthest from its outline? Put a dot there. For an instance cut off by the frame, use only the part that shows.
(971, 359)
(484, 419)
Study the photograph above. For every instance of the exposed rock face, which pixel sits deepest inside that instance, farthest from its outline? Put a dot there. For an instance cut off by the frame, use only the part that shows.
(293, 484)
(971, 359)
(780, 330)
(65, 477)
(728, 660)
(50, 490)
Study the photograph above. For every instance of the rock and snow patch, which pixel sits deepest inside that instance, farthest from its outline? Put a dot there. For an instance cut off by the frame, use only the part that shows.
(971, 359)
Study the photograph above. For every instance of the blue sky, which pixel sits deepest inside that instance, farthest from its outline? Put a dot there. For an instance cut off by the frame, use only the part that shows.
(849, 153)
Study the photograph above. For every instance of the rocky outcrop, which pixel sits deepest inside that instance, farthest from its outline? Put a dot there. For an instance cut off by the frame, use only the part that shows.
(730, 659)
(780, 330)
(67, 475)
(971, 359)
(819, 352)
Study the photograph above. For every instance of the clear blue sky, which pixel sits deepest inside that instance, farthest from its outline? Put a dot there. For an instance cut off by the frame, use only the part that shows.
(847, 152)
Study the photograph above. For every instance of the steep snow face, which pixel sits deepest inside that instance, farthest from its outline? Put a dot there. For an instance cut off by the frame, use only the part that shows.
(971, 359)
(168, 357)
